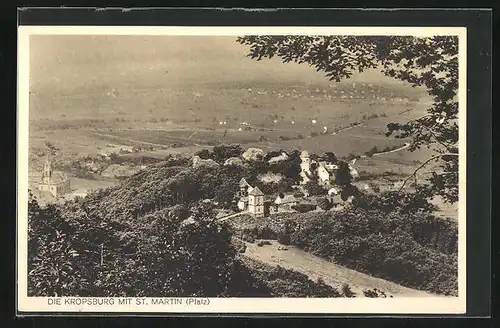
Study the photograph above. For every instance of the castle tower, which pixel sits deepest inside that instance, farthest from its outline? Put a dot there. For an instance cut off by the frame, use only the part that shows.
(305, 161)
(305, 166)
(244, 185)
(256, 202)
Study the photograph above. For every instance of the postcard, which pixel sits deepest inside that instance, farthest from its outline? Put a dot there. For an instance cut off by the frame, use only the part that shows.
(241, 169)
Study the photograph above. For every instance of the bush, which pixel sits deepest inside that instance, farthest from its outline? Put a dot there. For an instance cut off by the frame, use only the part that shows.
(203, 154)
(223, 152)
(325, 204)
(347, 292)
(374, 293)
(248, 238)
(238, 245)
(393, 246)
(314, 189)
(303, 208)
(283, 238)
(281, 282)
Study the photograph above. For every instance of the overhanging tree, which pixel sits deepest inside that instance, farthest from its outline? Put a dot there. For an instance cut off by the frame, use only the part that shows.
(430, 62)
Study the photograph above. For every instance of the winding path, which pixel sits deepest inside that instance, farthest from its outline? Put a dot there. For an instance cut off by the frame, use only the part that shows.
(406, 145)
(223, 218)
(332, 274)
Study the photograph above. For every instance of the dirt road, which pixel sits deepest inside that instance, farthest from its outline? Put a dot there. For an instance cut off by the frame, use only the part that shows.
(332, 274)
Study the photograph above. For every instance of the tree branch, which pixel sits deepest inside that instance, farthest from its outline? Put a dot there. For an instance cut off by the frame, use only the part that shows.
(446, 146)
(414, 174)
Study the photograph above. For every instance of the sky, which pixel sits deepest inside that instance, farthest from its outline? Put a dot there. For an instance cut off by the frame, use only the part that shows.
(73, 63)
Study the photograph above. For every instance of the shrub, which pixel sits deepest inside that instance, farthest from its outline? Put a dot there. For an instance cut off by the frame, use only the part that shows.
(248, 238)
(203, 154)
(392, 246)
(261, 243)
(303, 208)
(222, 152)
(325, 204)
(374, 293)
(314, 189)
(238, 245)
(347, 292)
(283, 282)
(283, 238)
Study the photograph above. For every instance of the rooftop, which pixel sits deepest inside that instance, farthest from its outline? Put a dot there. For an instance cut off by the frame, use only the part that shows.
(244, 183)
(256, 192)
(286, 199)
(56, 178)
(328, 166)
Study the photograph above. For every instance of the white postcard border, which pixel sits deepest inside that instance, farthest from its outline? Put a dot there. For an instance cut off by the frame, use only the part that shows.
(427, 305)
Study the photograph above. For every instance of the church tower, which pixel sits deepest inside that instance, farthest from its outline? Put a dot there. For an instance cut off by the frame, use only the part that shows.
(47, 171)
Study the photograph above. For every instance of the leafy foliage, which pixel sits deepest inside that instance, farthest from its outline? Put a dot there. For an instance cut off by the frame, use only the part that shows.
(52, 256)
(262, 280)
(152, 235)
(416, 251)
(325, 204)
(303, 207)
(388, 201)
(430, 62)
(314, 189)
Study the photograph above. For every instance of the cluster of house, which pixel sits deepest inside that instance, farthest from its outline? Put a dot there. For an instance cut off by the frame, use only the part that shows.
(337, 94)
(325, 171)
(252, 200)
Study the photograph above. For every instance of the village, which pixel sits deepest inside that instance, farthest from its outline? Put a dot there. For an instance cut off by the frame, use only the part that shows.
(255, 202)
(55, 186)
(181, 166)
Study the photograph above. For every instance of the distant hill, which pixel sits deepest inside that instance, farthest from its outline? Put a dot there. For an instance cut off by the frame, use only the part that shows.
(176, 77)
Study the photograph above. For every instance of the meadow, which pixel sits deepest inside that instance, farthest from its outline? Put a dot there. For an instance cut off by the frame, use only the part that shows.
(268, 119)
(178, 95)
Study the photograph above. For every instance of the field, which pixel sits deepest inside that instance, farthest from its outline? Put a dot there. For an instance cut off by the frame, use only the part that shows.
(274, 131)
(177, 95)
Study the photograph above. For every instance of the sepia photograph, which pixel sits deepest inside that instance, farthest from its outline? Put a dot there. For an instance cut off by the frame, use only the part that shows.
(241, 169)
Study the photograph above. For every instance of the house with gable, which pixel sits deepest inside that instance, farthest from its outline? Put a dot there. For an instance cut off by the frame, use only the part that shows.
(284, 203)
(251, 199)
(325, 171)
(256, 206)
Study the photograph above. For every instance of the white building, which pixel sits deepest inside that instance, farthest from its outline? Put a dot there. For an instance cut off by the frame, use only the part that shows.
(326, 173)
(305, 167)
(256, 202)
(284, 203)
